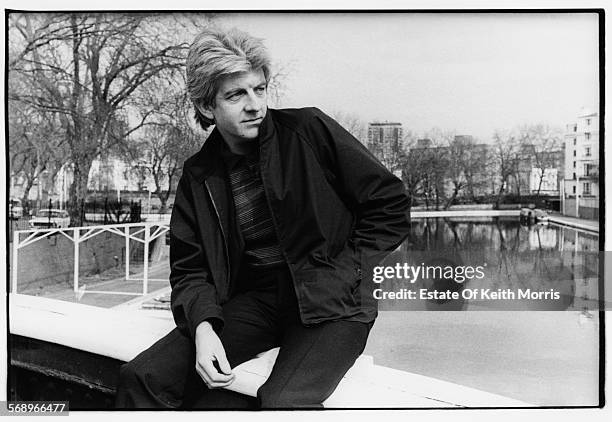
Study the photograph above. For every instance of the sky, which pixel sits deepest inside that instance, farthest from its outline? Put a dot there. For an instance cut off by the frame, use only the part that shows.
(470, 74)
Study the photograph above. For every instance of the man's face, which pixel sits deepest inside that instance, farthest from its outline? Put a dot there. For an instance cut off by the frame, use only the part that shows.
(240, 106)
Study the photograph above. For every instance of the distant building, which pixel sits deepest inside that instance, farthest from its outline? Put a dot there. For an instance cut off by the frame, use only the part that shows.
(111, 174)
(47, 186)
(423, 143)
(546, 181)
(385, 141)
(465, 139)
(580, 195)
(527, 180)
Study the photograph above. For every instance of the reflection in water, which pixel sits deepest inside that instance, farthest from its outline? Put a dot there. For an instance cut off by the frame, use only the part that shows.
(541, 259)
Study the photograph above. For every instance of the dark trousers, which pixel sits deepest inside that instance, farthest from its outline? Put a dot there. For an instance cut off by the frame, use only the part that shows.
(311, 362)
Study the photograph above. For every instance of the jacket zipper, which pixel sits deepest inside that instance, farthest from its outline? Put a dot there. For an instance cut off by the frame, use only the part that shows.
(226, 250)
(274, 223)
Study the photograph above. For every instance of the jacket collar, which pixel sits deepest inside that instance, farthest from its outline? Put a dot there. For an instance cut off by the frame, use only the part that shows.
(206, 161)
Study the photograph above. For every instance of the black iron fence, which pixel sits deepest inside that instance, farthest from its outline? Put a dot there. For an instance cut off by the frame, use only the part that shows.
(105, 211)
(110, 211)
(34, 214)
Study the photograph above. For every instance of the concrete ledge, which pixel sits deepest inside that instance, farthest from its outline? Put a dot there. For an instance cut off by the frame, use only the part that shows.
(592, 228)
(465, 213)
(122, 334)
(116, 334)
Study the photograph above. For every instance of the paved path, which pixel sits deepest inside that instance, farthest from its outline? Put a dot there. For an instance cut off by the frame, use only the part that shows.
(581, 223)
(158, 279)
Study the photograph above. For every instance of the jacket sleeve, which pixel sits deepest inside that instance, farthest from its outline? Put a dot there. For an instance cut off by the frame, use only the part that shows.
(373, 193)
(194, 295)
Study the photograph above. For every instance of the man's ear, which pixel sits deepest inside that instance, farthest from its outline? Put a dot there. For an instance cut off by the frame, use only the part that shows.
(206, 111)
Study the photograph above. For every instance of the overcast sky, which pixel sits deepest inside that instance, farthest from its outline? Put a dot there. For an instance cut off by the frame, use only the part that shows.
(471, 73)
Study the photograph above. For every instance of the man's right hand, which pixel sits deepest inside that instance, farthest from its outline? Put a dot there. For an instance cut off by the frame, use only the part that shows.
(209, 350)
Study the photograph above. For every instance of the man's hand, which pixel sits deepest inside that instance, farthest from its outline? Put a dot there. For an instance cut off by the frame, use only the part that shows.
(209, 350)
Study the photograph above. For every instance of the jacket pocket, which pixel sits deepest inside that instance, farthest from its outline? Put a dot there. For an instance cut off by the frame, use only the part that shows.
(327, 293)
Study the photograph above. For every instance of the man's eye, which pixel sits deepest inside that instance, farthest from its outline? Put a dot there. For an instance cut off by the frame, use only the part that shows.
(260, 90)
(234, 97)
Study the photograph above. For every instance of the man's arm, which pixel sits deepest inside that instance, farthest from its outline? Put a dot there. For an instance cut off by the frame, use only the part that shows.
(208, 351)
(194, 295)
(194, 301)
(377, 197)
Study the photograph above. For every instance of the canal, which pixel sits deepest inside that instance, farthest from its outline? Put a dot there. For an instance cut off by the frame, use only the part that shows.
(544, 351)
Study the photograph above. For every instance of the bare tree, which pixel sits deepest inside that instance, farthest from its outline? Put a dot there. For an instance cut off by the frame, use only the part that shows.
(467, 165)
(476, 168)
(352, 123)
(543, 145)
(414, 163)
(438, 163)
(435, 175)
(506, 159)
(167, 140)
(456, 159)
(277, 85)
(391, 157)
(36, 147)
(85, 68)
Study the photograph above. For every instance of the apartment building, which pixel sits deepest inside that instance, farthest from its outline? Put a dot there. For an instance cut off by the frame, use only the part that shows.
(580, 194)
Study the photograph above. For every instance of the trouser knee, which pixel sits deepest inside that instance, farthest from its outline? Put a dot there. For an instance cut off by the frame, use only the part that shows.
(127, 386)
(139, 388)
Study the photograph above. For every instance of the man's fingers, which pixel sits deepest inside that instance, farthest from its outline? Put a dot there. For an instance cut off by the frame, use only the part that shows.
(203, 374)
(209, 382)
(213, 376)
(223, 363)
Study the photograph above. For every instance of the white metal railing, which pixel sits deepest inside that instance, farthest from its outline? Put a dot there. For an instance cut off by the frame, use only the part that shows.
(139, 232)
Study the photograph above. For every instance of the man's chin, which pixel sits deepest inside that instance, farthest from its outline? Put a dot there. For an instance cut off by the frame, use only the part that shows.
(251, 134)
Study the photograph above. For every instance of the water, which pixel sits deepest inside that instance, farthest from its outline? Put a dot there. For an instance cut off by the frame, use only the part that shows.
(492, 264)
(542, 352)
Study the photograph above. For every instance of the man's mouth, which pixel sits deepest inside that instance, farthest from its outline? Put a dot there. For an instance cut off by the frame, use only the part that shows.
(258, 119)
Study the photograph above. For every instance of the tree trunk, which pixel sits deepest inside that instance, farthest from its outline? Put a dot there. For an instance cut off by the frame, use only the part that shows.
(452, 198)
(163, 199)
(78, 192)
(540, 183)
(470, 188)
(25, 204)
(499, 194)
(164, 196)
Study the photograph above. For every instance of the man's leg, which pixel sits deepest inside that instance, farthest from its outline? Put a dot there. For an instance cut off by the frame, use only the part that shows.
(156, 377)
(312, 360)
(164, 375)
(311, 363)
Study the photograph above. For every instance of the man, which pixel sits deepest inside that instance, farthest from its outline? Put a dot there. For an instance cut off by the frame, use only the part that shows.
(276, 225)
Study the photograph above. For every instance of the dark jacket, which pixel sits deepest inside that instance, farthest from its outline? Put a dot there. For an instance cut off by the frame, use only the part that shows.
(336, 209)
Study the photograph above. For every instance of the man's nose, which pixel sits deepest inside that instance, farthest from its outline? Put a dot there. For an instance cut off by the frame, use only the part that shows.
(253, 102)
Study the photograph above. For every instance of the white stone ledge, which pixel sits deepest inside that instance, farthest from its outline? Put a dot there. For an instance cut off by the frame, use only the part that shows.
(122, 334)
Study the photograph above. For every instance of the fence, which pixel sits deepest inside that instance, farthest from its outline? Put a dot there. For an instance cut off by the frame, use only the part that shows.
(106, 211)
(143, 233)
(94, 212)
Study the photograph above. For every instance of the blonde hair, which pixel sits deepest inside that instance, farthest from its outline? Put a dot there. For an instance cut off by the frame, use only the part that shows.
(215, 54)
